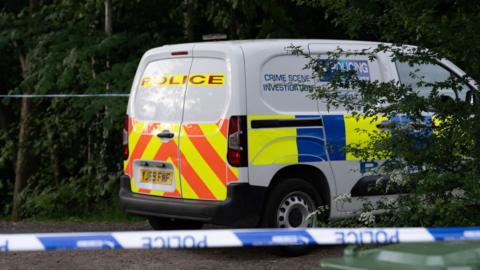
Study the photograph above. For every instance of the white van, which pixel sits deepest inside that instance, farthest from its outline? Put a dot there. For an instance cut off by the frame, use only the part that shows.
(222, 132)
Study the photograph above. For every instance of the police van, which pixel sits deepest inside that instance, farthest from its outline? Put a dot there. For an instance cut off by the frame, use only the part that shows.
(224, 133)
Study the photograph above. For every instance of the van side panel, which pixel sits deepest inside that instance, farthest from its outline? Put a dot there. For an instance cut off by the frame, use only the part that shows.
(284, 125)
(344, 130)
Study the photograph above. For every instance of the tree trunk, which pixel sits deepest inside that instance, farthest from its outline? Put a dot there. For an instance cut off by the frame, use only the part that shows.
(22, 168)
(22, 172)
(188, 19)
(102, 164)
(108, 17)
(34, 6)
(54, 154)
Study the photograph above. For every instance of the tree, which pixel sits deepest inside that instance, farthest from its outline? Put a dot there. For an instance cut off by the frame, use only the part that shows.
(437, 162)
(447, 27)
(94, 46)
(108, 17)
(22, 167)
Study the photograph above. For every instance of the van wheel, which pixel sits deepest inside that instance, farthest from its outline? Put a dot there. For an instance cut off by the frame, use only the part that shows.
(161, 223)
(289, 206)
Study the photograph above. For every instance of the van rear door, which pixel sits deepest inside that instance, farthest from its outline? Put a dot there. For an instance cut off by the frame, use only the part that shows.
(156, 108)
(203, 136)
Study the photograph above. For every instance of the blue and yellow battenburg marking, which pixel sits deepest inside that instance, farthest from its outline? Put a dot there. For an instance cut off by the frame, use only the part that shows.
(283, 145)
(347, 130)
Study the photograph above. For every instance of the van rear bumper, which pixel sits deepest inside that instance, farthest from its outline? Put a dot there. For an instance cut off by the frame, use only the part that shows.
(242, 208)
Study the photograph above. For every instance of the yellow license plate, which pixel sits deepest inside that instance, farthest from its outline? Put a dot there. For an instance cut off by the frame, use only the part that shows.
(156, 176)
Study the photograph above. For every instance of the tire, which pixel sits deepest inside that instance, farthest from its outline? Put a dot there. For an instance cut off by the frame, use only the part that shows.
(160, 223)
(289, 204)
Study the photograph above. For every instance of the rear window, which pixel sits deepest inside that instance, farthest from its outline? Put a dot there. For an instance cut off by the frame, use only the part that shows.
(207, 91)
(160, 93)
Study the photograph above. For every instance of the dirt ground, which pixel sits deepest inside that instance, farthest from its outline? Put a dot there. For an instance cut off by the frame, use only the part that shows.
(226, 258)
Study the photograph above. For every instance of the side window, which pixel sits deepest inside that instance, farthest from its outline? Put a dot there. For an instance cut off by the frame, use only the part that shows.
(207, 91)
(428, 73)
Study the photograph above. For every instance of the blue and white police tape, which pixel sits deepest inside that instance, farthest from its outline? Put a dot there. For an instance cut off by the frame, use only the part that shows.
(231, 238)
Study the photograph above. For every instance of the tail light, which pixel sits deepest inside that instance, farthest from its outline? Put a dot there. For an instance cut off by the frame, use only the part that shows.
(125, 138)
(237, 154)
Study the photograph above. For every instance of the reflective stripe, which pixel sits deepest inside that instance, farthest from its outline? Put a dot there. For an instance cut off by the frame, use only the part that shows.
(204, 171)
(212, 158)
(232, 174)
(205, 149)
(136, 154)
(220, 143)
(137, 151)
(144, 190)
(335, 135)
(223, 126)
(168, 152)
(174, 161)
(152, 148)
(284, 145)
(310, 142)
(144, 145)
(195, 182)
(272, 145)
(358, 132)
(212, 176)
(296, 145)
(125, 164)
(133, 138)
(187, 191)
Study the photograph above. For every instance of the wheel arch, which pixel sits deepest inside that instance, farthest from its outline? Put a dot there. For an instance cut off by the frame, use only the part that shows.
(309, 173)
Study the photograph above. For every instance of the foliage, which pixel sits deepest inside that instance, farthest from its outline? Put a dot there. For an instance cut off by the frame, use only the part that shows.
(68, 53)
(444, 182)
(431, 153)
(76, 142)
(76, 145)
(447, 27)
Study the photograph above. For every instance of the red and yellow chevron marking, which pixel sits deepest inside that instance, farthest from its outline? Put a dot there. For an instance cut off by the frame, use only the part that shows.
(232, 172)
(223, 127)
(144, 145)
(205, 148)
(204, 169)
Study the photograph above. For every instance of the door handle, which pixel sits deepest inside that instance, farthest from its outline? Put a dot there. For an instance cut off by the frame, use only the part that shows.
(166, 134)
(385, 124)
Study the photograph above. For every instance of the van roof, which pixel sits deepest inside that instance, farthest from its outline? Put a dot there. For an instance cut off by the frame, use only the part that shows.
(279, 41)
(253, 44)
